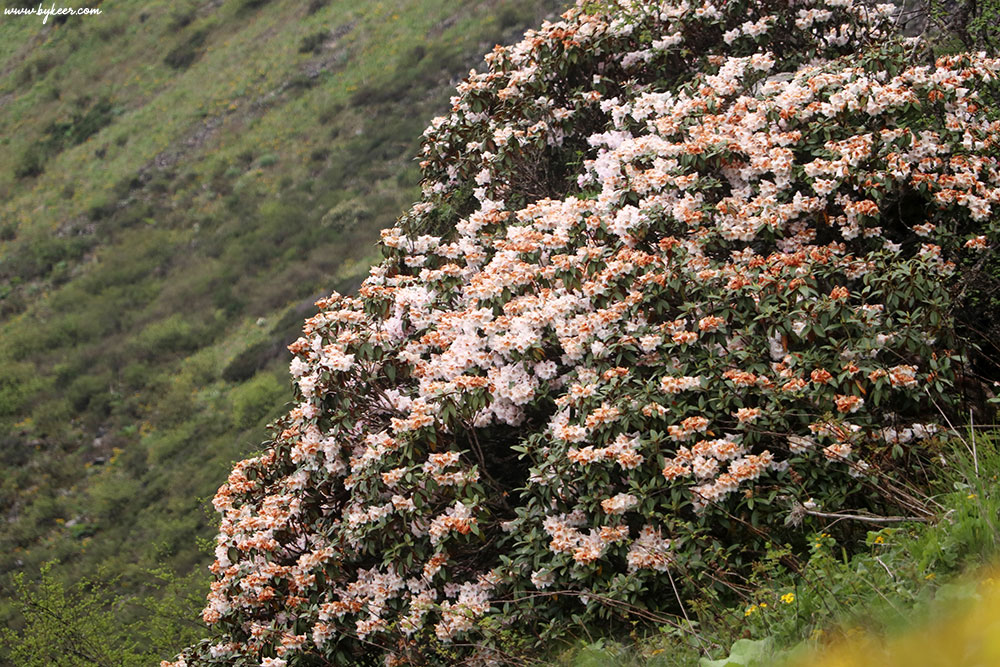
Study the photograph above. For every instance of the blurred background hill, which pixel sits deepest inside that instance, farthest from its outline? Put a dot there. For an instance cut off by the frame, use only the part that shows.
(178, 182)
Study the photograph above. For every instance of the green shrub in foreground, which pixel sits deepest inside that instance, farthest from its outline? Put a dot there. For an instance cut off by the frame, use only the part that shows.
(88, 624)
(793, 611)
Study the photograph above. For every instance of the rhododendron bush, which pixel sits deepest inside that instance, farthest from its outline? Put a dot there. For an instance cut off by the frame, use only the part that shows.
(681, 271)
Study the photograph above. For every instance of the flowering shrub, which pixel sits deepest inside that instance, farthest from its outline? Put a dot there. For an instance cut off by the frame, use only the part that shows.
(679, 270)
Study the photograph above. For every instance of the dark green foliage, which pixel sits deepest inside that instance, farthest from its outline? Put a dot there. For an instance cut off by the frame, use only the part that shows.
(252, 4)
(187, 51)
(316, 5)
(31, 162)
(975, 22)
(87, 119)
(36, 68)
(979, 320)
(181, 17)
(246, 364)
(89, 391)
(313, 43)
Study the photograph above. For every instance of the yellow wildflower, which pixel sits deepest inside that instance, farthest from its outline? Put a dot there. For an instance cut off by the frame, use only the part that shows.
(788, 598)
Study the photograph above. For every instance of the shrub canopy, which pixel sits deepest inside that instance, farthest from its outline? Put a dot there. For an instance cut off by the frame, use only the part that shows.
(682, 273)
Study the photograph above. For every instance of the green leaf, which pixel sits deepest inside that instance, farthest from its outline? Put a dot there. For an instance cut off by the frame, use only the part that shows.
(745, 653)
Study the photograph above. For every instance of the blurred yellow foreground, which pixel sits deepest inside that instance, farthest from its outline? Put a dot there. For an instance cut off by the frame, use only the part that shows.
(964, 631)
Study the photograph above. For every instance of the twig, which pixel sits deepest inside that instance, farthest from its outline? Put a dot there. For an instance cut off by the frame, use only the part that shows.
(972, 434)
(684, 611)
(887, 486)
(953, 429)
(883, 595)
(886, 568)
(860, 517)
(611, 602)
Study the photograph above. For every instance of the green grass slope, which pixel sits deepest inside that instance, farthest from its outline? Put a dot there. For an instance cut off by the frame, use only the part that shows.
(178, 180)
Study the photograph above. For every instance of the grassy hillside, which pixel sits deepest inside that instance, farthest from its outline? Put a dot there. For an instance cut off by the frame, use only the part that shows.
(178, 181)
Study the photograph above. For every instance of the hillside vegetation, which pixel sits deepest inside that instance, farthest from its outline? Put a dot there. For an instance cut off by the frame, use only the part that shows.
(178, 182)
(685, 354)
